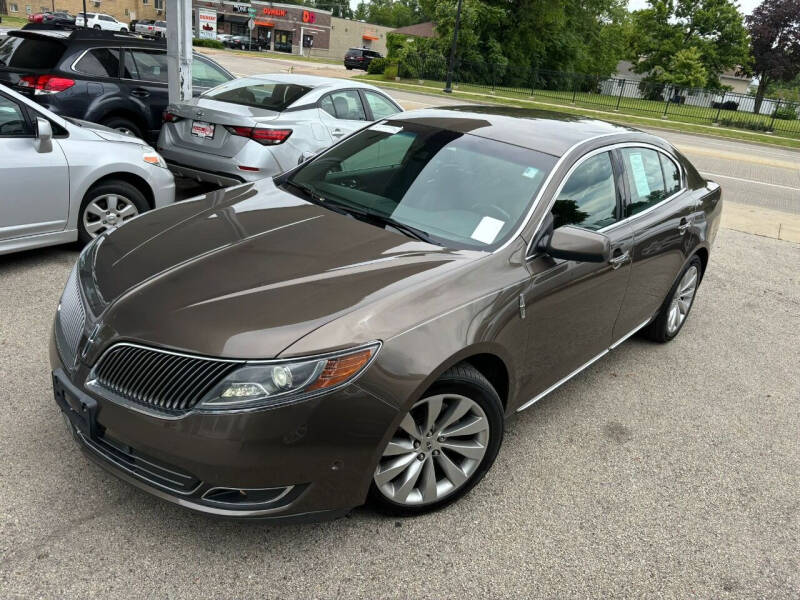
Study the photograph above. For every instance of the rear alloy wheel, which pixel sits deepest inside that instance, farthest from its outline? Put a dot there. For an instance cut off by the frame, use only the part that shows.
(123, 125)
(442, 447)
(672, 316)
(108, 206)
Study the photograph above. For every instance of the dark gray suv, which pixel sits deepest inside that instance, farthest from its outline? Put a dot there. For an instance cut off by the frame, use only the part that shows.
(364, 324)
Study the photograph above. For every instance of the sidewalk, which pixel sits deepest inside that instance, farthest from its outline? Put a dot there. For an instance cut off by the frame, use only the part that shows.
(761, 221)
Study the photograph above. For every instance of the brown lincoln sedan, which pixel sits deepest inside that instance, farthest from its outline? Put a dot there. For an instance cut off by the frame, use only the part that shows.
(362, 325)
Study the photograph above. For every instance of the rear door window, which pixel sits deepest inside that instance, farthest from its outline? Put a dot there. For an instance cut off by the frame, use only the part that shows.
(345, 105)
(645, 178)
(99, 62)
(149, 65)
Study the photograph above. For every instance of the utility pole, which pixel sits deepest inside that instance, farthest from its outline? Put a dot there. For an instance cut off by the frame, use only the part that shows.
(448, 86)
(85, 18)
(179, 50)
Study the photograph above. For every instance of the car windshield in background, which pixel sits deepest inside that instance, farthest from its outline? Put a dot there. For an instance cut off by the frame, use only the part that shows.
(455, 189)
(259, 93)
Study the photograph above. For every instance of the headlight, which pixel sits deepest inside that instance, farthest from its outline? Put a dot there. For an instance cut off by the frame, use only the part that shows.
(265, 384)
(152, 157)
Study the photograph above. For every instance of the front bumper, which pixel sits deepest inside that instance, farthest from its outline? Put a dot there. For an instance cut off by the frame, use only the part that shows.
(162, 183)
(317, 456)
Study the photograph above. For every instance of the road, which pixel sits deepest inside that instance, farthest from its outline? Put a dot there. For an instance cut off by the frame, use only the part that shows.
(663, 471)
(751, 174)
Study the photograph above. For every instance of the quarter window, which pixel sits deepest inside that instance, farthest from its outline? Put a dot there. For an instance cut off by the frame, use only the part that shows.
(380, 106)
(12, 121)
(589, 197)
(100, 62)
(645, 178)
(344, 105)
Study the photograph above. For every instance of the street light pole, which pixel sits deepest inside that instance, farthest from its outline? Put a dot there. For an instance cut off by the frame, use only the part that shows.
(85, 17)
(448, 85)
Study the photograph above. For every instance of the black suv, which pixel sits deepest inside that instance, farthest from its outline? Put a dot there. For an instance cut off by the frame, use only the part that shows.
(115, 79)
(359, 58)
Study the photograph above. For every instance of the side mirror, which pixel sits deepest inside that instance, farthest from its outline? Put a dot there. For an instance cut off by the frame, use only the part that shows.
(574, 243)
(44, 136)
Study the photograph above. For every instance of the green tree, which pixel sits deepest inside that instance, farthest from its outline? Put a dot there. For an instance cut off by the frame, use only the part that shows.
(714, 27)
(686, 69)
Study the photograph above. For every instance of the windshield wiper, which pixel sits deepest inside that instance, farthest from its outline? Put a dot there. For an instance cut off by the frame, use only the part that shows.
(313, 197)
(409, 230)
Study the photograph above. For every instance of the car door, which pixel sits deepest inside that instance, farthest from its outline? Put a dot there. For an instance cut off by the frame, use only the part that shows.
(342, 112)
(571, 307)
(146, 81)
(660, 210)
(35, 185)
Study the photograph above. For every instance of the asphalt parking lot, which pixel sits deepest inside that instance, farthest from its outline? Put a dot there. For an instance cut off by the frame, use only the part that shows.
(664, 471)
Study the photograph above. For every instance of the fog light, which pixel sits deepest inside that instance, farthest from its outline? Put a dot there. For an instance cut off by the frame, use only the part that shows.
(282, 377)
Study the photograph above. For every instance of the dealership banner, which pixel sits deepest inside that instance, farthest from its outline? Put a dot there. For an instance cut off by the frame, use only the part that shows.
(207, 20)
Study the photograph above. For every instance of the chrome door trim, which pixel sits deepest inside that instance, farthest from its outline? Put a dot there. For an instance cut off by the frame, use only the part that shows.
(535, 399)
(562, 381)
(587, 156)
(629, 334)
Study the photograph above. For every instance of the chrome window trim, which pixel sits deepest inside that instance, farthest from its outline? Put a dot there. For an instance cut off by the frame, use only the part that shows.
(587, 156)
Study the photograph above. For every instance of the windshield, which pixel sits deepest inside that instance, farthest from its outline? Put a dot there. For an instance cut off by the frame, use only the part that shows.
(259, 93)
(459, 190)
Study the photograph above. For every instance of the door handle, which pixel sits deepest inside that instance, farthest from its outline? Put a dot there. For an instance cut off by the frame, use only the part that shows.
(140, 92)
(337, 133)
(617, 261)
(685, 224)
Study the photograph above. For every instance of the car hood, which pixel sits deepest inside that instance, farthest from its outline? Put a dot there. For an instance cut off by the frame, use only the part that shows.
(108, 134)
(245, 272)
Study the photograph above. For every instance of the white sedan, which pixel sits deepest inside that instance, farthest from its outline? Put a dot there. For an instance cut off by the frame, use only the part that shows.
(100, 21)
(259, 126)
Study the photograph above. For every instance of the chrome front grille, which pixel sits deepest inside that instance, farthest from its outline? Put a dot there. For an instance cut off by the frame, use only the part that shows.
(71, 320)
(162, 380)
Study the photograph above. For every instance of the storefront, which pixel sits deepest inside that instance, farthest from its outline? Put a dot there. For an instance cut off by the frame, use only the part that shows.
(280, 27)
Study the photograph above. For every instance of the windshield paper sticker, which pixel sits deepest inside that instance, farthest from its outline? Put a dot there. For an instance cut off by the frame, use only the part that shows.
(639, 176)
(386, 128)
(487, 230)
(530, 172)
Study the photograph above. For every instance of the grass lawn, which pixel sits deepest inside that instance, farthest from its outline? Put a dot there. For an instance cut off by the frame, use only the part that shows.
(13, 22)
(645, 113)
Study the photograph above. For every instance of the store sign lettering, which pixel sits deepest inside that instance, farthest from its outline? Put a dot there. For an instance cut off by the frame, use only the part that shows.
(240, 8)
(275, 12)
(309, 17)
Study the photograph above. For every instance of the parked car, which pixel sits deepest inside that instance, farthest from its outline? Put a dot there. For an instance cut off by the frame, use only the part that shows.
(244, 42)
(359, 58)
(223, 37)
(65, 180)
(100, 21)
(259, 126)
(109, 78)
(53, 18)
(159, 29)
(144, 26)
(364, 324)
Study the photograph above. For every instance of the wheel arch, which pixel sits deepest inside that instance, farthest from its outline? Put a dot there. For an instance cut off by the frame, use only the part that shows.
(135, 180)
(490, 360)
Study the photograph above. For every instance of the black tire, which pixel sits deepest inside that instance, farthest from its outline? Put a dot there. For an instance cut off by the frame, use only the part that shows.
(96, 27)
(658, 330)
(112, 186)
(124, 30)
(348, 68)
(122, 124)
(465, 380)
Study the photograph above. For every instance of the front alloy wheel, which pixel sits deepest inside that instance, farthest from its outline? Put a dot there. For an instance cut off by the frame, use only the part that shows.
(108, 205)
(443, 445)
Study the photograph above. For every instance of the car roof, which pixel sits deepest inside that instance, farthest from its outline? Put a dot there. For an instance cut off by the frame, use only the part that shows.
(544, 131)
(312, 81)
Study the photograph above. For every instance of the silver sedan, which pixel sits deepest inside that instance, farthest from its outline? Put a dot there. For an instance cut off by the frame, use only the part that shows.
(62, 179)
(259, 126)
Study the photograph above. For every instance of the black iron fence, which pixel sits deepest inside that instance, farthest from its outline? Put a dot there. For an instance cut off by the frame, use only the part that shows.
(691, 105)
